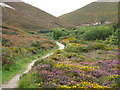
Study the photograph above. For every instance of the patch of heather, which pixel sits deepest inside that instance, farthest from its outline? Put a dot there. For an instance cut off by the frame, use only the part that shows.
(77, 69)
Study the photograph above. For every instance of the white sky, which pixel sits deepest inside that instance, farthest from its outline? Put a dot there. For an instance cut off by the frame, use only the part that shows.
(58, 7)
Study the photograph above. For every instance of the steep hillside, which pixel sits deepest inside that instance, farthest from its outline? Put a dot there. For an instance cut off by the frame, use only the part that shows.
(26, 16)
(96, 11)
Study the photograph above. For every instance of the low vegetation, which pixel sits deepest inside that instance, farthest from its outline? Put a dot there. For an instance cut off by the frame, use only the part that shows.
(20, 47)
(84, 63)
(90, 57)
(57, 33)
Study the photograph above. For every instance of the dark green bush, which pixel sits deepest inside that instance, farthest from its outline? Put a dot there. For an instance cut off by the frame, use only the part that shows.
(97, 33)
(57, 33)
(81, 30)
(114, 38)
(116, 26)
(78, 32)
(45, 31)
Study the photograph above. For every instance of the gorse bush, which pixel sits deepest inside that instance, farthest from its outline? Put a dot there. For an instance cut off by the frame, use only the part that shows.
(57, 33)
(114, 38)
(97, 33)
(87, 48)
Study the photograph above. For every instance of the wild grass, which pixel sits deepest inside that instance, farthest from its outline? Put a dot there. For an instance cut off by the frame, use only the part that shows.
(21, 64)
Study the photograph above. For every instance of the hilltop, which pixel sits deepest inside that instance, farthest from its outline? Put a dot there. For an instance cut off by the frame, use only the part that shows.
(96, 11)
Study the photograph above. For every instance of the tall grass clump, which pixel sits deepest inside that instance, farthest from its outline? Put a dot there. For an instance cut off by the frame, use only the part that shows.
(97, 33)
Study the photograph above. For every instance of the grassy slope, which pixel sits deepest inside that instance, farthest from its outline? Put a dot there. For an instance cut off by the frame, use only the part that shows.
(27, 16)
(100, 10)
(16, 39)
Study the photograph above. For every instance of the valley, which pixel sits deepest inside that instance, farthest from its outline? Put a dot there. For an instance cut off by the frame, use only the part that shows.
(42, 51)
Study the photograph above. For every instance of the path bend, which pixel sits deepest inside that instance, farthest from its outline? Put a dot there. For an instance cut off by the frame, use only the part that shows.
(13, 83)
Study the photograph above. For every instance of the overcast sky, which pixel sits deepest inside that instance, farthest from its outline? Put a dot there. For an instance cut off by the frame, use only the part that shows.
(58, 7)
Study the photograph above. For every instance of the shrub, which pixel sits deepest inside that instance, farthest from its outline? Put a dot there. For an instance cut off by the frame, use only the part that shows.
(45, 31)
(114, 38)
(116, 26)
(80, 31)
(57, 33)
(97, 33)
(86, 48)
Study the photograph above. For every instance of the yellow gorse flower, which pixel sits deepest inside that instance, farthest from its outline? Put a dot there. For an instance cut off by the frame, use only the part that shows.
(80, 67)
(84, 85)
(40, 83)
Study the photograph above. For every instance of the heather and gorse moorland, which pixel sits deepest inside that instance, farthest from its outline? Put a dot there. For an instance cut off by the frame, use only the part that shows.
(20, 48)
(90, 58)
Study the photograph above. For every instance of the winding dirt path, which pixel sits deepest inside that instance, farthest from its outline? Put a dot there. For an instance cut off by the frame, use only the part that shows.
(13, 83)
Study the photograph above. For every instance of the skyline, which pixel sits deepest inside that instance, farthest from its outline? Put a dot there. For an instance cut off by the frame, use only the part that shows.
(58, 7)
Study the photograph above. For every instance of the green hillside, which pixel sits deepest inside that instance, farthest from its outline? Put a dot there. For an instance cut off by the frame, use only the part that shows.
(94, 11)
(27, 16)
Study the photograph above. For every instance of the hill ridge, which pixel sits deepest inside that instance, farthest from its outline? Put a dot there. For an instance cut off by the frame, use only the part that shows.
(97, 10)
